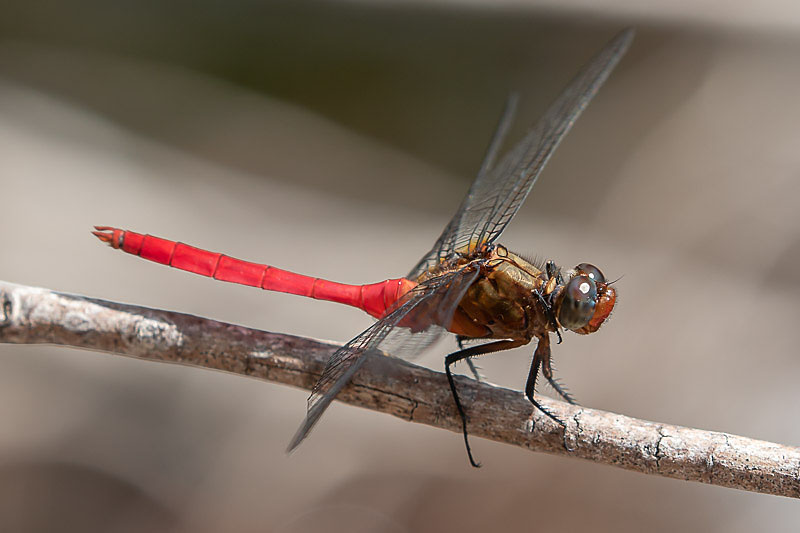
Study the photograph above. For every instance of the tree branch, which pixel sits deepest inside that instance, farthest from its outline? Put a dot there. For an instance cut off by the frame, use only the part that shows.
(31, 316)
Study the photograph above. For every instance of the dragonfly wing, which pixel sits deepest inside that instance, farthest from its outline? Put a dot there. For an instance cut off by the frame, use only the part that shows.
(434, 300)
(499, 136)
(497, 193)
(438, 309)
(446, 242)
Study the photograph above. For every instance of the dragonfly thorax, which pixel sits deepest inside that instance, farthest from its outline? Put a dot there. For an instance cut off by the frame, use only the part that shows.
(502, 303)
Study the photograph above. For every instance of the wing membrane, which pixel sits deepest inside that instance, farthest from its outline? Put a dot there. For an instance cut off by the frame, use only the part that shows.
(497, 193)
(446, 243)
(434, 302)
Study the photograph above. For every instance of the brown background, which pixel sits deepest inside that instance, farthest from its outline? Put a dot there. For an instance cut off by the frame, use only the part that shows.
(336, 139)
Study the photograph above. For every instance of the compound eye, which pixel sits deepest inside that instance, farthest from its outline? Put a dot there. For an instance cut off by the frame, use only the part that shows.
(591, 271)
(580, 299)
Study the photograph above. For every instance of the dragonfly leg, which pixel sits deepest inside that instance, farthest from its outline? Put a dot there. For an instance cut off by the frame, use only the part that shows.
(541, 354)
(475, 369)
(562, 390)
(548, 310)
(466, 353)
(552, 270)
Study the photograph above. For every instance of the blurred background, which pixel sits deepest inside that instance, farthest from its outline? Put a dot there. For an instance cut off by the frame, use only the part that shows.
(336, 139)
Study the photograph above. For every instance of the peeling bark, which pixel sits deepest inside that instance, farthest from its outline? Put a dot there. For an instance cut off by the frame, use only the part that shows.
(34, 316)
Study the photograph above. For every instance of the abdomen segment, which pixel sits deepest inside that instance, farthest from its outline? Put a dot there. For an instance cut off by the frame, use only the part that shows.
(373, 298)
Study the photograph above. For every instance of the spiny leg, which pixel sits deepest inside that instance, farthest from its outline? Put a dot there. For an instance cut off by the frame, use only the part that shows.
(475, 369)
(562, 390)
(466, 353)
(552, 271)
(548, 310)
(541, 354)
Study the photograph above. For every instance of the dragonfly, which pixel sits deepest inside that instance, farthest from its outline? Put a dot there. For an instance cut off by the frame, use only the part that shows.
(467, 284)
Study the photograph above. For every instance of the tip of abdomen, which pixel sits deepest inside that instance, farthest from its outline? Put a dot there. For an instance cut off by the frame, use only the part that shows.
(109, 235)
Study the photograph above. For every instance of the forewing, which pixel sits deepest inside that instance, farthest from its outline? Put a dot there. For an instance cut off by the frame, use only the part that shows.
(446, 242)
(497, 193)
(435, 299)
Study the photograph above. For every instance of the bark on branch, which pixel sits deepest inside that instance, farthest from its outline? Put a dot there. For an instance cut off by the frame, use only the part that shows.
(31, 315)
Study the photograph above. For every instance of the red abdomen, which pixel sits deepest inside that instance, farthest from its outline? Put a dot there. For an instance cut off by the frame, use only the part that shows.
(374, 298)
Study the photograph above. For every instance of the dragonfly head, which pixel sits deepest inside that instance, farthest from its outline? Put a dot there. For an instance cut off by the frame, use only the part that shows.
(585, 300)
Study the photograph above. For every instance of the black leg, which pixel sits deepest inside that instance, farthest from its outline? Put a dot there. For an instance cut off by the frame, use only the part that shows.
(466, 353)
(541, 354)
(548, 310)
(475, 369)
(562, 391)
(551, 270)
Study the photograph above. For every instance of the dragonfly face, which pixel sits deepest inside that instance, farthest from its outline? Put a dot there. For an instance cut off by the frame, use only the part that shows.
(585, 301)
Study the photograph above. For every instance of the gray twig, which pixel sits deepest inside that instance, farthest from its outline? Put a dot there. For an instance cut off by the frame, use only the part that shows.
(31, 315)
